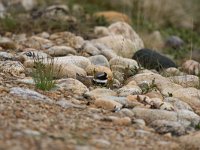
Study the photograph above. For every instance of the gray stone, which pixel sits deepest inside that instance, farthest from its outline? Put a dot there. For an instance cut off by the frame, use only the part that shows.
(120, 45)
(28, 94)
(189, 95)
(186, 80)
(177, 103)
(164, 126)
(99, 60)
(90, 49)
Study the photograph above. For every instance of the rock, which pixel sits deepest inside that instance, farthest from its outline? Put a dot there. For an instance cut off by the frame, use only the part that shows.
(153, 60)
(120, 45)
(189, 95)
(27, 80)
(19, 38)
(164, 85)
(185, 117)
(29, 4)
(177, 103)
(37, 42)
(28, 94)
(195, 54)
(30, 132)
(72, 85)
(7, 43)
(67, 39)
(99, 60)
(66, 104)
(107, 52)
(154, 94)
(124, 29)
(60, 51)
(139, 122)
(113, 16)
(99, 92)
(106, 103)
(101, 31)
(123, 62)
(122, 121)
(174, 42)
(101, 143)
(129, 90)
(191, 67)
(90, 49)
(172, 72)
(186, 80)
(126, 112)
(164, 126)
(29, 57)
(14, 68)
(6, 56)
(191, 141)
(188, 118)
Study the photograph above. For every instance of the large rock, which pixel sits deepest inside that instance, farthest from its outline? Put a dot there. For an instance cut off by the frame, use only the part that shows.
(164, 85)
(14, 68)
(164, 126)
(153, 60)
(124, 29)
(121, 46)
(28, 94)
(184, 117)
(190, 96)
(186, 80)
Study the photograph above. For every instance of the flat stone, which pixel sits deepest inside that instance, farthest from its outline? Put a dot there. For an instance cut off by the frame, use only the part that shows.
(28, 94)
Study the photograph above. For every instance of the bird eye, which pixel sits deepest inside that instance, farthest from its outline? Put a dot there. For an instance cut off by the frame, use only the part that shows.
(29, 54)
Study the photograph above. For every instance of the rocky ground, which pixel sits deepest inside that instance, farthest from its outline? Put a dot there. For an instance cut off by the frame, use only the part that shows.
(102, 98)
